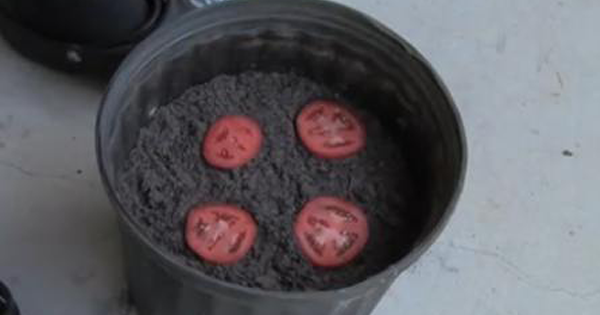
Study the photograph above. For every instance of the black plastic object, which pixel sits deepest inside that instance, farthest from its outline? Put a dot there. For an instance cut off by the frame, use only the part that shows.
(7, 304)
(89, 36)
(102, 22)
(327, 42)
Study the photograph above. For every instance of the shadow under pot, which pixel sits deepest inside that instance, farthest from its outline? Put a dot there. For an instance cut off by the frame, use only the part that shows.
(327, 43)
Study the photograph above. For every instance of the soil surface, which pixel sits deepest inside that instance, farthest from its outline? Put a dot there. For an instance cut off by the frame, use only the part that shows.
(167, 176)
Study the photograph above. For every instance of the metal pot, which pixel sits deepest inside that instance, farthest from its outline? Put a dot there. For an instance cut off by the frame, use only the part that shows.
(326, 42)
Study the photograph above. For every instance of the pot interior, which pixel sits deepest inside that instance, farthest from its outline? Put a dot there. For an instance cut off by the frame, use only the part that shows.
(357, 59)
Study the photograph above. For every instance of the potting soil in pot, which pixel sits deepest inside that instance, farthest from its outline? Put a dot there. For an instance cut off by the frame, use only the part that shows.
(166, 176)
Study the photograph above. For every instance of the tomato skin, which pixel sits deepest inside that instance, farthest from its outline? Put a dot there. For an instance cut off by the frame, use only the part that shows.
(331, 232)
(330, 130)
(220, 234)
(232, 141)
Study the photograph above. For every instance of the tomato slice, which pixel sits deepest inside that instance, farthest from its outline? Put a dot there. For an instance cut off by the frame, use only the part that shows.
(331, 232)
(330, 130)
(232, 141)
(220, 234)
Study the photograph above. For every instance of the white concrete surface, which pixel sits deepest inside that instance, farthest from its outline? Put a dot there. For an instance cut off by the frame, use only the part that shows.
(525, 237)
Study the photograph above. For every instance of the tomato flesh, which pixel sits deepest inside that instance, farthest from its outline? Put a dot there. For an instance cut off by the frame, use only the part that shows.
(232, 141)
(331, 232)
(330, 130)
(220, 234)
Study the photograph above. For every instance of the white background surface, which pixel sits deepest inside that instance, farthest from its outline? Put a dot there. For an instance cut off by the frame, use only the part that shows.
(525, 237)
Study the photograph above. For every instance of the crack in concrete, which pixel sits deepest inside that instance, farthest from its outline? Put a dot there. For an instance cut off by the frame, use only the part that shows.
(560, 80)
(445, 266)
(34, 174)
(523, 276)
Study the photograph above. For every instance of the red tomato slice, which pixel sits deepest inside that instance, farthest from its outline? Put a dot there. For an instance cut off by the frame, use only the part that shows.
(329, 130)
(232, 141)
(331, 232)
(220, 234)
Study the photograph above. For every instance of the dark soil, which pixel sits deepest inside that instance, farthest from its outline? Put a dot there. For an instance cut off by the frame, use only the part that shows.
(167, 176)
